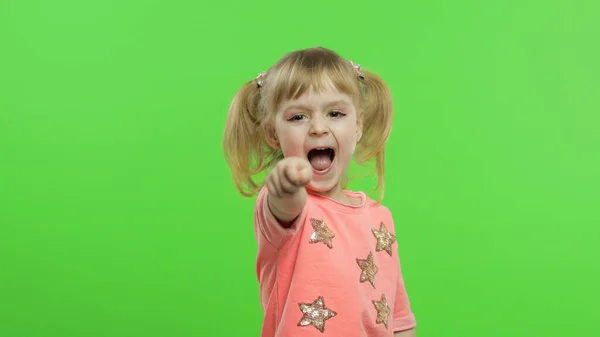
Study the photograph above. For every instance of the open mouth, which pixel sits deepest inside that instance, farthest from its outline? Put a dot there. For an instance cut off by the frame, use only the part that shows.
(321, 158)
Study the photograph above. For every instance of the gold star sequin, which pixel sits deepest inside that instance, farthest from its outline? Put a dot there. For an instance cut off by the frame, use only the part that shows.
(369, 269)
(385, 239)
(322, 233)
(315, 314)
(383, 311)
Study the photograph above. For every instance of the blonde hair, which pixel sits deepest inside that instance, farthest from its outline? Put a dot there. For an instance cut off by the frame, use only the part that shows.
(251, 114)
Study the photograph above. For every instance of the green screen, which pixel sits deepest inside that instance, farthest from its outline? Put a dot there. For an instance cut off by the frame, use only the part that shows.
(118, 216)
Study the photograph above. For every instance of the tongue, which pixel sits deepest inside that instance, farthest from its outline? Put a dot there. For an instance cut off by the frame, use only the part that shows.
(320, 160)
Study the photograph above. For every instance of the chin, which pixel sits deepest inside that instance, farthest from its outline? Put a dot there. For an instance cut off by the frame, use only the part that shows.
(322, 186)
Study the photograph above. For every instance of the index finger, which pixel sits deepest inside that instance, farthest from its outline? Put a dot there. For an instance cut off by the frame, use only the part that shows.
(288, 173)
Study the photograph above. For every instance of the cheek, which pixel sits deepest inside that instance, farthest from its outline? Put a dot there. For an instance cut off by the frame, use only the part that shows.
(290, 146)
(350, 149)
(347, 133)
(348, 142)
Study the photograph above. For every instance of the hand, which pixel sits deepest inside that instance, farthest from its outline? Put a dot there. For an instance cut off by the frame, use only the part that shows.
(288, 176)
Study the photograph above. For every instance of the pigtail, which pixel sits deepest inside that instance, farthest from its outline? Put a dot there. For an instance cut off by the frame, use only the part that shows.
(377, 125)
(244, 145)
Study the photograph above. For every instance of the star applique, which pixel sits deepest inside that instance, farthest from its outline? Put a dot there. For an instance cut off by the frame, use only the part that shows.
(369, 269)
(385, 239)
(315, 314)
(322, 233)
(383, 311)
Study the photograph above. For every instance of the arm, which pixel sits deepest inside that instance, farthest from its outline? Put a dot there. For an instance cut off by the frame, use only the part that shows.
(406, 333)
(404, 319)
(286, 186)
(287, 208)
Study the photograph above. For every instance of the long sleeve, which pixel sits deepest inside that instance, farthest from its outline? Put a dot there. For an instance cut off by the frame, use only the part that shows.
(404, 318)
(268, 226)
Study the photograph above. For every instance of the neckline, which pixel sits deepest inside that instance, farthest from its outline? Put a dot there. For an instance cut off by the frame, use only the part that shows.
(343, 207)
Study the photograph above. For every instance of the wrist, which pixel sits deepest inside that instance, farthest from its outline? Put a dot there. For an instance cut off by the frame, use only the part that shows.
(286, 209)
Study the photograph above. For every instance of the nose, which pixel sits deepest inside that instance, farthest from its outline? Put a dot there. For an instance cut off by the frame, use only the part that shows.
(318, 127)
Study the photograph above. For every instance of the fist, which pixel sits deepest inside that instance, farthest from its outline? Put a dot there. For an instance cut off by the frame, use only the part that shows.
(288, 176)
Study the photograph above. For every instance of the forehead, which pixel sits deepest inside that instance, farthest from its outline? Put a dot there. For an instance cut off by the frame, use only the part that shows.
(326, 95)
(310, 86)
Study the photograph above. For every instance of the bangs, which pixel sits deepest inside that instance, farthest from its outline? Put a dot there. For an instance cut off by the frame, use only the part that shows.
(315, 69)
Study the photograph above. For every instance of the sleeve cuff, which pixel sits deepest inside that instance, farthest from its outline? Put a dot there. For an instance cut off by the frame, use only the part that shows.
(404, 323)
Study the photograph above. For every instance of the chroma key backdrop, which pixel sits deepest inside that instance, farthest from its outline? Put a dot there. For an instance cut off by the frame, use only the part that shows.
(119, 218)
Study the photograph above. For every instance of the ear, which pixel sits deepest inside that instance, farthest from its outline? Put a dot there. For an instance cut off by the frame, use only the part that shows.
(273, 142)
(271, 137)
(359, 128)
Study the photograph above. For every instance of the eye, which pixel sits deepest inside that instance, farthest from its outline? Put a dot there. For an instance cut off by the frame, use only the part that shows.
(296, 118)
(336, 113)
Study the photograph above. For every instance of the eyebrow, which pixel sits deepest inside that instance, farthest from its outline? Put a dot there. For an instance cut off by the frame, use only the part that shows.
(306, 107)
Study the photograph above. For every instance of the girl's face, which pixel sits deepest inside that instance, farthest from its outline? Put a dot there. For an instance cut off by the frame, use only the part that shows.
(323, 128)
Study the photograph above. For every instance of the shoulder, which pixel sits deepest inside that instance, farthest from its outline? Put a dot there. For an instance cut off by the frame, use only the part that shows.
(260, 197)
(383, 214)
(378, 207)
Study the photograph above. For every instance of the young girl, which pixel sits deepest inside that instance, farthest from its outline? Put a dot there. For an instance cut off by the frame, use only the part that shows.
(327, 257)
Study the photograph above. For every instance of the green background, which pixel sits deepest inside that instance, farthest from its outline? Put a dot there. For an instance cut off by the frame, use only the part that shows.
(118, 216)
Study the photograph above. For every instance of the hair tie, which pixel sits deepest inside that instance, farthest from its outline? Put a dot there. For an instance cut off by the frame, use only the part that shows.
(260, 79)
(357, 70)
